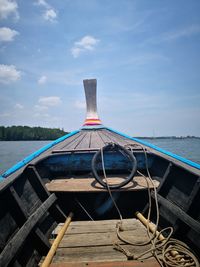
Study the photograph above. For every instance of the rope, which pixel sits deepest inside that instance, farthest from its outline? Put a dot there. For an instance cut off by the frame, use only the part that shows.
(108, 187)
(168, 252)
(126, 153)
(84, 209)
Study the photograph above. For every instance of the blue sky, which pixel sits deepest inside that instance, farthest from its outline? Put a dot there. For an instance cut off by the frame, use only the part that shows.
(144, 54)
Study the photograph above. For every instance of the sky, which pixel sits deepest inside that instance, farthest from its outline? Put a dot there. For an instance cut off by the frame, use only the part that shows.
(144, 54)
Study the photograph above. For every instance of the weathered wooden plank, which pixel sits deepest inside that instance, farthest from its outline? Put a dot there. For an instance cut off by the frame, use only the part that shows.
(89, 184)
(193, 193)
(96, 253)
(85, 143)
(17, 241)
(162, 182)
(27, 193)
(183, 216)
(191, 202)
(75, 150)
(104, 138)
(101, 226)
(41, 239)
(75, 142)
(93, 247)
(36, 182)
(101, 239)
(68, 141)
(147, 263)
(20, 204)
(164, 178)
(42, 192)
(110, 137)
(119, 139)
(96, 141)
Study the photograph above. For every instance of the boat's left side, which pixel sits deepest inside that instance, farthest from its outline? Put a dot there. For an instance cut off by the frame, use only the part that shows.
(28, 215)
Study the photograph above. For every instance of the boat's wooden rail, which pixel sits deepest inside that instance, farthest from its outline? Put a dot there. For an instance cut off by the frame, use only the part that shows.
(28, 215)
(91, 185)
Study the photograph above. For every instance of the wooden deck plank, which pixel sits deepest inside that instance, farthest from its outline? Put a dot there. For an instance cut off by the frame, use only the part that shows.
(91, 243)
(147, 263)
(85, 143)
(100, 239)
(90, 184)
(75, 143)
(96, 141)
(113, 138)
(121, 139)
(95, 253)
(68, 141)
(100, 226)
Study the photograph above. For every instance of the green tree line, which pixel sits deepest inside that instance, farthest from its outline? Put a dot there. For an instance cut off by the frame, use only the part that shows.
(14, 133)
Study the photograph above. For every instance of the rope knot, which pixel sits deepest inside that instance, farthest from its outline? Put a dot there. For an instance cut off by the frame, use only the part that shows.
(127, 253)
(119, 226)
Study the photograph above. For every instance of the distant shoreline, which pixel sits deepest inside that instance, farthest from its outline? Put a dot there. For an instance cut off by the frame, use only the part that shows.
(169, 137)
(27, 133)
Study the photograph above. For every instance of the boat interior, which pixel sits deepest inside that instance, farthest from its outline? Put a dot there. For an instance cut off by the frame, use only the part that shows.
(123, 201)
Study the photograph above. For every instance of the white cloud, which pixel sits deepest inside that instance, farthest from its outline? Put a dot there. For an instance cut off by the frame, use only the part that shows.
(9, 73)
(42, 3)
(50, 15)
(7, 8)
(76, 51)
(42, 79)
(50, 101)
(86, 43)
(19, 106)
(7, 35)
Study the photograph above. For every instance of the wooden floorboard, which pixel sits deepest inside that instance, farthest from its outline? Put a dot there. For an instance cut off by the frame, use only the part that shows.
(90, 184)
(148, 263)
(100, 239)
(90, 243)
(101, 226)
(95, 253)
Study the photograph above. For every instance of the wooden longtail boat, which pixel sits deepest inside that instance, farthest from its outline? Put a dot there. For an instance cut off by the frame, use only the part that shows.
(106, 179)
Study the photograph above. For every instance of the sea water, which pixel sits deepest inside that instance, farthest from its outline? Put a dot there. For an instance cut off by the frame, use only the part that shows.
(12, 152)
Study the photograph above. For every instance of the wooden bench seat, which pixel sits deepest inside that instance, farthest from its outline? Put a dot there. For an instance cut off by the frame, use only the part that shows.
(90, 184)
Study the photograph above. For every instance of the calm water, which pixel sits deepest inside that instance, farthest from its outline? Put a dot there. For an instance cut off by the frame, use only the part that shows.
(13, 151)
(188, 148)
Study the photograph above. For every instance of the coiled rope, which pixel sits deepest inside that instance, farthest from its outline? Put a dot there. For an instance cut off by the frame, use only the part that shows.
(112, 147)
(168, 252)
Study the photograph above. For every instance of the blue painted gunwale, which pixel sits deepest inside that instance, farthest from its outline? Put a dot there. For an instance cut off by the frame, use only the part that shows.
(34, 155)
(177, 157)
